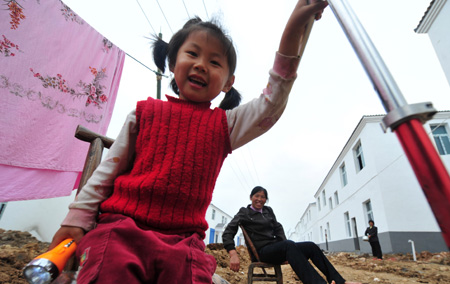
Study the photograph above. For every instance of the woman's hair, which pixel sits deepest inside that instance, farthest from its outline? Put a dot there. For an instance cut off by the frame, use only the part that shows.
(169, 51)
(257, 189)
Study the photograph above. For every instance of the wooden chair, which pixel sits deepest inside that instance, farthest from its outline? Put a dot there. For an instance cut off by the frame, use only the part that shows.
(93, 158)
(252, 276)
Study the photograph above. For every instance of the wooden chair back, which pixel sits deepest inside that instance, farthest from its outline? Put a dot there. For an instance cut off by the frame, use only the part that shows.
(93, 158)
(277, 276)
(250, 247)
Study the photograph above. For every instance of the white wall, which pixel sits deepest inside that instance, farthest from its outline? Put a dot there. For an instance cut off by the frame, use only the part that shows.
(402, 190)
(440, 38)
(404, 202)
(42, 218)
(217, 221)
(306, 226)
(398, 202)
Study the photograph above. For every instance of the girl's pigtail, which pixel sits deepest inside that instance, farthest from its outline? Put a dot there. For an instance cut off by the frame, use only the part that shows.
(160, 51)
(231, 100)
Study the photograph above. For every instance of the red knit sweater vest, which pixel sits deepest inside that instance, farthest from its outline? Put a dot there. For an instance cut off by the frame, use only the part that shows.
(180, 149)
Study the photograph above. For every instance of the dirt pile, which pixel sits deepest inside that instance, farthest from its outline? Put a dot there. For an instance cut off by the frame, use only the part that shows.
(19, 248)
(16, 250)
(223, 263)
(429, 267)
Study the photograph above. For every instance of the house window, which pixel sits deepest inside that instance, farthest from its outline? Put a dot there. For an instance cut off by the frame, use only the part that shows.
(318, 203)
(343, 175)
(309, 215)
(347, 224)
(330, 203)
(441, 139)
(368, 209)
(336, 198)
(2, 209)
(359, 157)
(224, 220)
(213, 214)
(324, 198)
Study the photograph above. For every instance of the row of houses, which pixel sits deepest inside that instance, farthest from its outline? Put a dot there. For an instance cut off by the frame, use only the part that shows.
(372, 180)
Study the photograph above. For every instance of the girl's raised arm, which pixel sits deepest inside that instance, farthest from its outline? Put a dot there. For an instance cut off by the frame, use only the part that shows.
(295, 27)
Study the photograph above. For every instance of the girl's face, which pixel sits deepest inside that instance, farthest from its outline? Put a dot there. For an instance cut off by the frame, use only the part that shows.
(201, 69)
(258, 200)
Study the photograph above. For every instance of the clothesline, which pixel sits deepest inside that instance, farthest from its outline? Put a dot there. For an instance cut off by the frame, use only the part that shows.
(156, 72)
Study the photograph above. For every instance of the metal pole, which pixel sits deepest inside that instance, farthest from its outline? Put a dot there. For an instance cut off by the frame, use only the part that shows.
(413, 249)
(371, 60)
(406, 120)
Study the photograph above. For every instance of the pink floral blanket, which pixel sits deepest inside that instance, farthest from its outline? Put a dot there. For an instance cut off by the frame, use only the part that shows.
(56, 72)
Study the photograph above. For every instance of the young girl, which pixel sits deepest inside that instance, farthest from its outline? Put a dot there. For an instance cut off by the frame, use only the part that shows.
(155, 185)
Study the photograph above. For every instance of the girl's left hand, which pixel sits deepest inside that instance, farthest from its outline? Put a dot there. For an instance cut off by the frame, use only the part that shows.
(318, 15)
(295, 27)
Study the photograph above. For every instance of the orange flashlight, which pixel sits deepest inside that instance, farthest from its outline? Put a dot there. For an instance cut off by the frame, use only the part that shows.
(47, 266)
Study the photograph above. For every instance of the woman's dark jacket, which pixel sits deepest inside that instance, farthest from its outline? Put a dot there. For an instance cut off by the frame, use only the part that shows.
(262, 228)
(373, 232)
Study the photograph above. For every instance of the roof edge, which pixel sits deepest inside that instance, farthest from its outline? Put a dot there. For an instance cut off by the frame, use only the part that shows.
(429, 16)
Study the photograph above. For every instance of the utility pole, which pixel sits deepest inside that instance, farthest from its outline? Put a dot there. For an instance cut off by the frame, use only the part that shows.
(158, 78)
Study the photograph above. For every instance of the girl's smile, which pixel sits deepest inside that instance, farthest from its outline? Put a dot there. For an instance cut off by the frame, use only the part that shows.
(201, 70)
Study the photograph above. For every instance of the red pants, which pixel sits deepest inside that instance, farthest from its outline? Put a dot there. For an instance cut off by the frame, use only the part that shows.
(119, 251)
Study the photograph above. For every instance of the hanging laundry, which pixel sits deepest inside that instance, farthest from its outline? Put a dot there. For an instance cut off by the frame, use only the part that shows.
(56, 72)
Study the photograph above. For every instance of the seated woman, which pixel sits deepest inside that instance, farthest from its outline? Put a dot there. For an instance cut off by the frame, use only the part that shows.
(272, 246)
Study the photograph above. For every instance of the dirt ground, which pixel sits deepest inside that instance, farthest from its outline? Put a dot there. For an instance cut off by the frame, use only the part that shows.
(18, 248)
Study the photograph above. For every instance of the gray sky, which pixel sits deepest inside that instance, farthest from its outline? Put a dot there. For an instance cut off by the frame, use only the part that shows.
(329, 98)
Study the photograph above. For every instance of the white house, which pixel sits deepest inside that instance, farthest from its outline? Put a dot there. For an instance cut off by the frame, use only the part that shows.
(217, 221)
(435, 23)
(372, 179)
(304, 230)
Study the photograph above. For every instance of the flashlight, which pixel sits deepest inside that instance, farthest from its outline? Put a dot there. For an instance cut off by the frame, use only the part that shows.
(47, 266)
